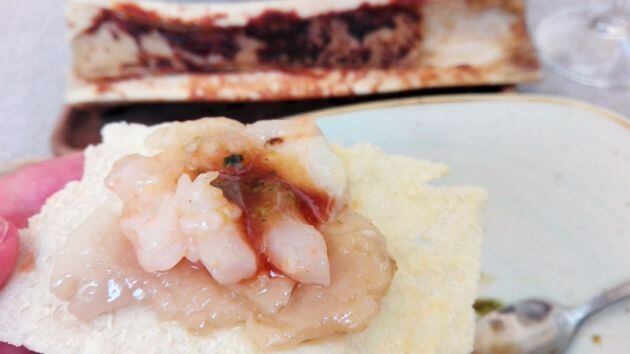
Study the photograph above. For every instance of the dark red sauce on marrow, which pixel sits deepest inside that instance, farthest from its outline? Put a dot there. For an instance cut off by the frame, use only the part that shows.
(284, 40)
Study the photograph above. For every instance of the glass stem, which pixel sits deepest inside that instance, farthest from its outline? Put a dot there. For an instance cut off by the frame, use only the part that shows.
(614, 23)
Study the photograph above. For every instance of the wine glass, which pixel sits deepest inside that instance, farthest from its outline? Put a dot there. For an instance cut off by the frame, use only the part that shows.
(588, 43)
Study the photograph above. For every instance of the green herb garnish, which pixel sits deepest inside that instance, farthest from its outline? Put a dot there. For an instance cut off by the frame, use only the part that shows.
(484, 306)
(233, 160)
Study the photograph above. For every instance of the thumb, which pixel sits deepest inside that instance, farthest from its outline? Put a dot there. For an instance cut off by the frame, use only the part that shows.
(9, 349)
(23, 192)
(8, 256)
(9, 245)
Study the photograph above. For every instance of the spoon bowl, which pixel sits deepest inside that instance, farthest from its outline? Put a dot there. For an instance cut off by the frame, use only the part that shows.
(537, 326)
(529, 326)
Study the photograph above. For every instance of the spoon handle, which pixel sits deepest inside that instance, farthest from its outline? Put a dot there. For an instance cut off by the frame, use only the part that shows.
(607, 298)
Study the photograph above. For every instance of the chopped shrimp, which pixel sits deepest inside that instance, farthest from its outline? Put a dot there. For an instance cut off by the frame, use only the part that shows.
(149, 217)
(298, 250)
(231, 225)
(209, 221)
(175, 207)
(194, 221)
(139, 177)
(155, 236)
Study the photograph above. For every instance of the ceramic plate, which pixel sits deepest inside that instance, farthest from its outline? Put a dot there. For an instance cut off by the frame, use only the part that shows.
(558, 178)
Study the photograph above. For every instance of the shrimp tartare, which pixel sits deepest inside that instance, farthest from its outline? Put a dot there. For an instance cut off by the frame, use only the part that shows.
(225, 224)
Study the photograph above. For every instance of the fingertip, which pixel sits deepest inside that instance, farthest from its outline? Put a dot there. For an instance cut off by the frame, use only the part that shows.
(73, 164)
(25, 190)
(10, 349)
(9, 248)
(60, 170)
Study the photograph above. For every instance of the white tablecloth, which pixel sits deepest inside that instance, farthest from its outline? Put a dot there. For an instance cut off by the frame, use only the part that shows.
(34, 60)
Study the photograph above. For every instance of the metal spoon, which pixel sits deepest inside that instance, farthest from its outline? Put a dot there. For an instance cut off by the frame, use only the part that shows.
(538, 326)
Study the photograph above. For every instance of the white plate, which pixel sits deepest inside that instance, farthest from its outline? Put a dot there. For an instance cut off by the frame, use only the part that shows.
(558, 177)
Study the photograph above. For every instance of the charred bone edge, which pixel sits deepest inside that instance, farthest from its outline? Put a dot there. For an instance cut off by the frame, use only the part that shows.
(509, 58)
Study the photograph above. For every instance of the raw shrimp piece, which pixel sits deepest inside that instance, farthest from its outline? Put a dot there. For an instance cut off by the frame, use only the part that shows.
(228, 258)
(267, 293)
(180, 135)
(155, 235)
(361, 272)
(136, 176)
(299, 142)
(292, 129)
(149, 218)
(298, 250)
(210, 223)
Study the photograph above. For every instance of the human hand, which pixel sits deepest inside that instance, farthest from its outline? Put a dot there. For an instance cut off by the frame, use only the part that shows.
(22, 194)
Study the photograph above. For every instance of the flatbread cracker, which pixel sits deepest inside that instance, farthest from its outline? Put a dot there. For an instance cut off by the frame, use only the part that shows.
(433, 233)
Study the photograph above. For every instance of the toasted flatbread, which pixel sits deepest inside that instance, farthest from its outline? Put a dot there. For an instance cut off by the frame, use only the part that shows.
(433, 233)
